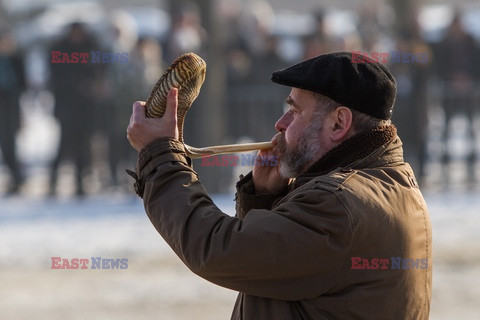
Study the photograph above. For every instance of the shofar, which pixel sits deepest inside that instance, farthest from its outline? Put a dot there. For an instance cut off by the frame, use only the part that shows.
(187, 74)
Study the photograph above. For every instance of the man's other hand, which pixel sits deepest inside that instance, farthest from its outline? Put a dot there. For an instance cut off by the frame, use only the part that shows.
(267, 179)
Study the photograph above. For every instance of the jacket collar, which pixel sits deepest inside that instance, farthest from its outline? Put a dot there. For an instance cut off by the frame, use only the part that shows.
(378, 146)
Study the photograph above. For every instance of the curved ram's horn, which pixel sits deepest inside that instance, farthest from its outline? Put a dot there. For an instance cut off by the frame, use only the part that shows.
(187, 74)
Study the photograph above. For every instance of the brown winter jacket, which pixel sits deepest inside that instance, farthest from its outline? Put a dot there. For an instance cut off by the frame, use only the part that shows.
(350, 239)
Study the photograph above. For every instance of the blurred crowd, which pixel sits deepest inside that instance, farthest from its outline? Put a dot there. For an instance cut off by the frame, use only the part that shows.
(92, 101)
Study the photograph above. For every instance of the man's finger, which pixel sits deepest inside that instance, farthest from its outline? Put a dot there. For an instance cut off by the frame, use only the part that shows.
(172, 105)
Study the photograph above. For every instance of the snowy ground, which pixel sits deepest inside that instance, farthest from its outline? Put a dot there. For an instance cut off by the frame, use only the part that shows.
(156, 285)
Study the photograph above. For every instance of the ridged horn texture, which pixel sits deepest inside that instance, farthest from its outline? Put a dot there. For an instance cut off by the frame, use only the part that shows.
(187, 74)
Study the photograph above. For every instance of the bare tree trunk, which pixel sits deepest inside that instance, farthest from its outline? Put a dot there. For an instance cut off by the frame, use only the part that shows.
(212, 116)
(207, 124)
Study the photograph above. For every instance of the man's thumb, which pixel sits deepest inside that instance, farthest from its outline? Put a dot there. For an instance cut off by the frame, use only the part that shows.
(172, 105)
(138, 110)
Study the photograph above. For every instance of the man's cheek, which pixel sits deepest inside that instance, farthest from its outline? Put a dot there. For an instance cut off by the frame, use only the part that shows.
(291, 138)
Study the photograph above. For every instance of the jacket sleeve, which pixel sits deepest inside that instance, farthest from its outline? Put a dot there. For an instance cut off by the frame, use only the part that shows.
(293, 251)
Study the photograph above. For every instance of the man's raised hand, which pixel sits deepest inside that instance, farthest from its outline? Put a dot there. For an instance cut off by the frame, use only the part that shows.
(142, 130)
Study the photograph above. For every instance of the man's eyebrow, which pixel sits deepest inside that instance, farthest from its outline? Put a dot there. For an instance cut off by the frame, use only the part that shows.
(290, 101)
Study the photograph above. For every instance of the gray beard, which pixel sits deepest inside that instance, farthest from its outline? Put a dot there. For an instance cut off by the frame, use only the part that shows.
(296, 160)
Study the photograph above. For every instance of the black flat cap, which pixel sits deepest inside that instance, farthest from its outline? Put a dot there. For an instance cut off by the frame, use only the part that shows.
(365, 86)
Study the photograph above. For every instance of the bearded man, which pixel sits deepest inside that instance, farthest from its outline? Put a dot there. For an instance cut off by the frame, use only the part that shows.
(338, 230)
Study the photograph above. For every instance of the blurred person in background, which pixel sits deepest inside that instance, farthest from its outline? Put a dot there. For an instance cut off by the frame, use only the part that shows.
(74, 86)
(411, 116)
(12, 84)
(186, 34)
(319, 41)
(369, 27)
(458, 66)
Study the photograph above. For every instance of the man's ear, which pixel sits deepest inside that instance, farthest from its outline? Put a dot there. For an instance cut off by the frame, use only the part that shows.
(342, 119)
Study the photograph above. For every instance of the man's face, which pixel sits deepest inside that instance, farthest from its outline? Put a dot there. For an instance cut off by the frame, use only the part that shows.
(301, 140)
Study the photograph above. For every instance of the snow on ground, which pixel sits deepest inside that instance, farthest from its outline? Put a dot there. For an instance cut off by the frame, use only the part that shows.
(34, 230)
(156, 285)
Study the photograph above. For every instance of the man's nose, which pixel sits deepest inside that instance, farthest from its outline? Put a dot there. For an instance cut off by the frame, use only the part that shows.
(284, 121)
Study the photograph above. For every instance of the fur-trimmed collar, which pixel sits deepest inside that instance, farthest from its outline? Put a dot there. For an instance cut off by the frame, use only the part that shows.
(357, 147)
